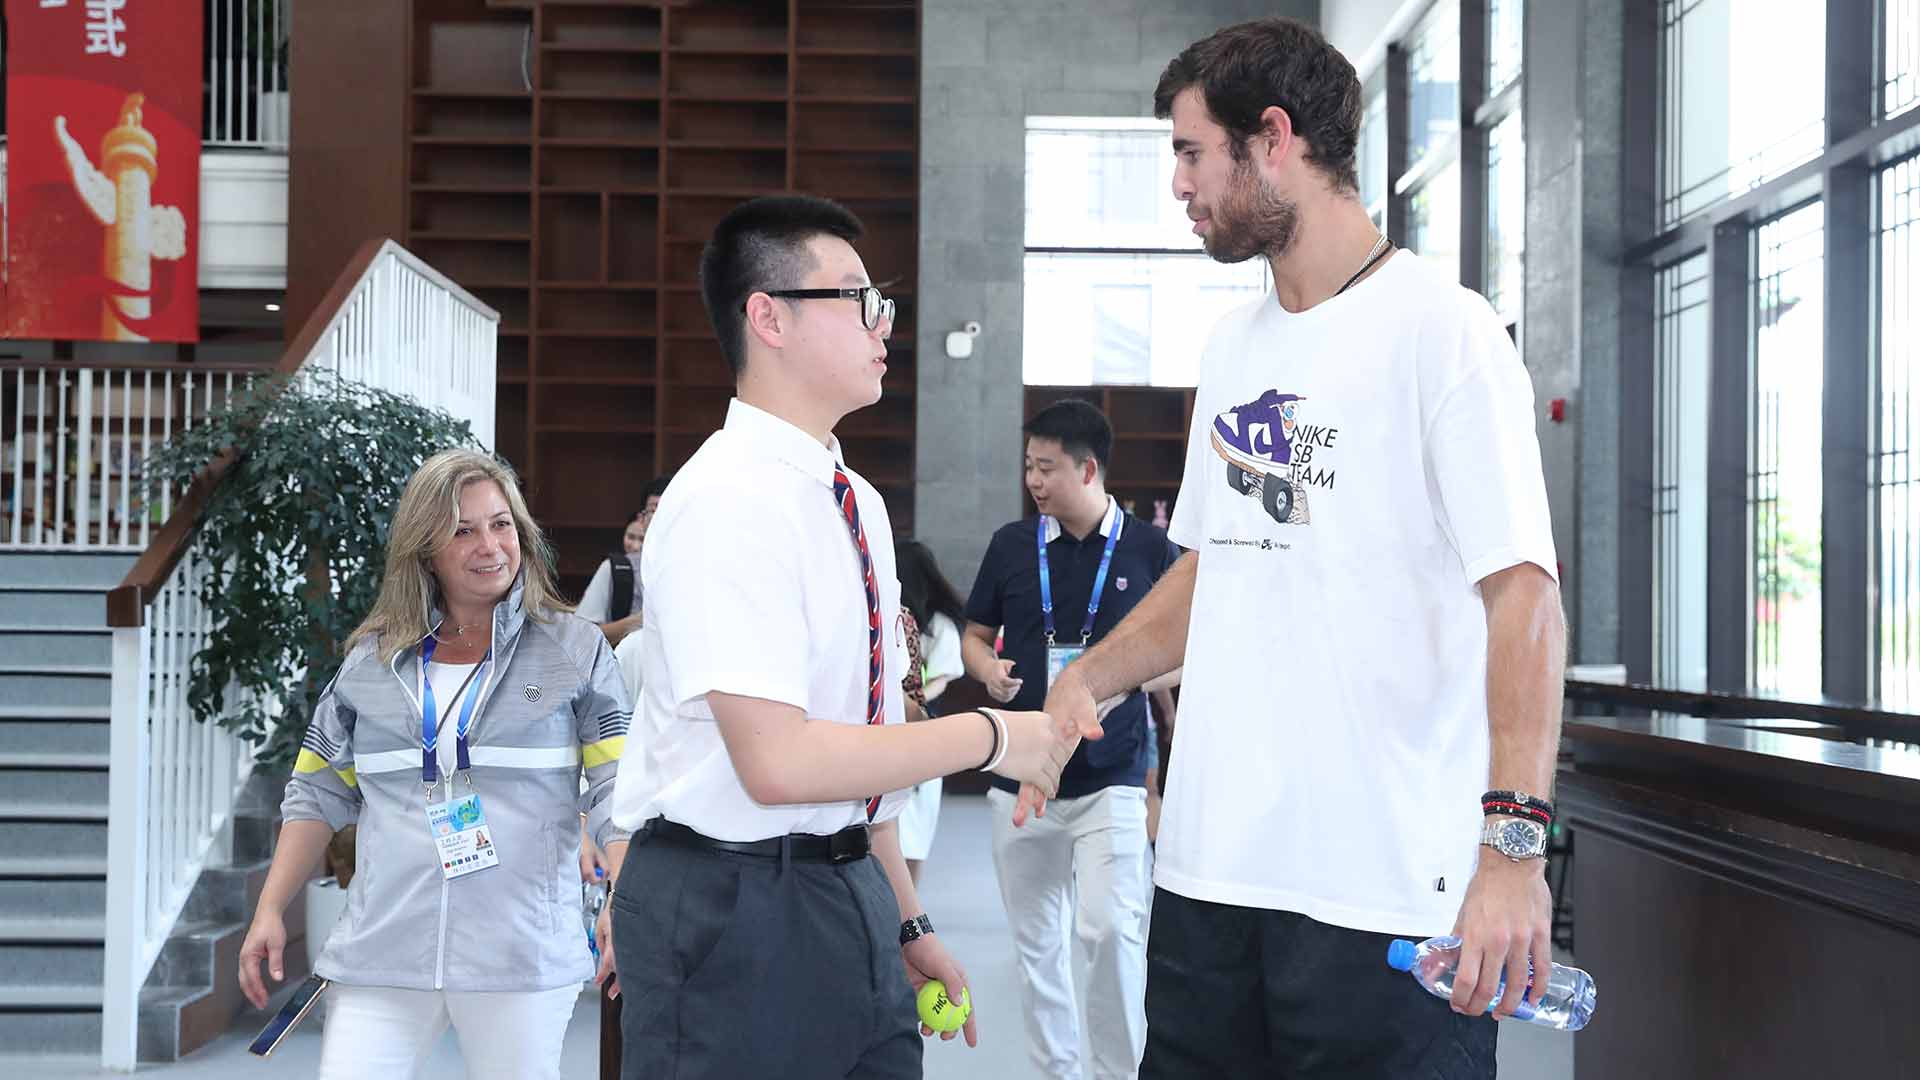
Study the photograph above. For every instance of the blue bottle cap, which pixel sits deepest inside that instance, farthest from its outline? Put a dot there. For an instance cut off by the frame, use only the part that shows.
(1401, 954)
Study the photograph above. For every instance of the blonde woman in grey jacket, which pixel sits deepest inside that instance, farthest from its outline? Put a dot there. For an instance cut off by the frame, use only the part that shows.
(454, 736)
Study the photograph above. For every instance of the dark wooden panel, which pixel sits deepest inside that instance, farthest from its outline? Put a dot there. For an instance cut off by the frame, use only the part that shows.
(346, 178)
(1698, 977)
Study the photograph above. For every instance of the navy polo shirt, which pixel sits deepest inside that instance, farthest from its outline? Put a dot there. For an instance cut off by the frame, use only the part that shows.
(1007, 594)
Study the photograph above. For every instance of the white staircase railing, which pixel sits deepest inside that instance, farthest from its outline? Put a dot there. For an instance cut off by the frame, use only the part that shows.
(393, 322)
(72, 440)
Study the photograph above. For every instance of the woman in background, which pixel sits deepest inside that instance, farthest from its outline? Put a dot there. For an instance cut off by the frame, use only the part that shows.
(936, 606)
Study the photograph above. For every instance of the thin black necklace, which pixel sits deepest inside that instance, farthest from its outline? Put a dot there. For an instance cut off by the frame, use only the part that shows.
(1374, 254)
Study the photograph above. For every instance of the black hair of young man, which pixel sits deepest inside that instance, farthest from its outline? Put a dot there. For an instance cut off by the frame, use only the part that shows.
(760, 245)
(1081, 430)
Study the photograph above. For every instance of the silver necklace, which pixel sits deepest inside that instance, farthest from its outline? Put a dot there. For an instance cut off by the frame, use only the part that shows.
(1374, 254)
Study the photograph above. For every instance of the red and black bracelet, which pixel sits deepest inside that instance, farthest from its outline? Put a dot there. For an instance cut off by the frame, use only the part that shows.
(1518, 804)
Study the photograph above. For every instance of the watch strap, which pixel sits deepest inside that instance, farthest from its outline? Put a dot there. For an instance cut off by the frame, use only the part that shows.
(915, 928)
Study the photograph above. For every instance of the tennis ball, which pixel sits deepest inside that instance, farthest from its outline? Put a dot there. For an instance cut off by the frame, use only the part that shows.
(940, 1012)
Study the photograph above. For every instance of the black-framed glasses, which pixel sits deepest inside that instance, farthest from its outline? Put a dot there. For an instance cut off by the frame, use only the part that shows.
(873, 306)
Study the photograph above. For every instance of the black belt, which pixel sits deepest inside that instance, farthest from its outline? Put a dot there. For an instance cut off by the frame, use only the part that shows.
(850, 843)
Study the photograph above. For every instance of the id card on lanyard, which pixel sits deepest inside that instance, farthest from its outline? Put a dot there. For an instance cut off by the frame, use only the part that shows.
(1059, 656)
(457, 823)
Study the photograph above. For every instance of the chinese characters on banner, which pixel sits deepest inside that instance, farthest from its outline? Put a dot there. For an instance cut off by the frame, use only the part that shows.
(103, 169)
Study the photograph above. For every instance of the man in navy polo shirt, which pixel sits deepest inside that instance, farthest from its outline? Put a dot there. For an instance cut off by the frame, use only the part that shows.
(1056, 584)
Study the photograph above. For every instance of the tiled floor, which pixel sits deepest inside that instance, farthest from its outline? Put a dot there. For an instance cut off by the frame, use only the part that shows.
(959, 890)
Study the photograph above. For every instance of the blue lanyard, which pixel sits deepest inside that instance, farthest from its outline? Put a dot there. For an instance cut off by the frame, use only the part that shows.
(1099, 579)
(429, 730)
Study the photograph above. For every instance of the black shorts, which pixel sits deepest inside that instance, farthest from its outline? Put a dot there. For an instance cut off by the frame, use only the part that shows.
(1235, 991)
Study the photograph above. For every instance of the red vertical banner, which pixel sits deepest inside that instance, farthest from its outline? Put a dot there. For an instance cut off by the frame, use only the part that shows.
(103, 169)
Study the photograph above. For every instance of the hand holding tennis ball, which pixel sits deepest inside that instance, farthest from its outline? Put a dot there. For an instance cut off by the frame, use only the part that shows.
(940, 1012)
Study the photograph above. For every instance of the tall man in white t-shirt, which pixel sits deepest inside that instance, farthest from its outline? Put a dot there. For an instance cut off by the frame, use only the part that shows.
(1370, 620)
(770, 927)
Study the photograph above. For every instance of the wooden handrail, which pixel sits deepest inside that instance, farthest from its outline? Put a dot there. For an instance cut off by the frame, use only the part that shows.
(127, 603)
(189, 367)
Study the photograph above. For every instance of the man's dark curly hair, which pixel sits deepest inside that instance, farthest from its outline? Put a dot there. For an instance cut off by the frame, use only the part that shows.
(1242, 70)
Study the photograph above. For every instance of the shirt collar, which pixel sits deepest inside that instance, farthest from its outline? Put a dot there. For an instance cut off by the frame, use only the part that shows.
(767, 434)
(1106, 522)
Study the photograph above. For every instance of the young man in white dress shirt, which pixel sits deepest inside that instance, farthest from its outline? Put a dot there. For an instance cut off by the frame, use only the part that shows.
(770, 927)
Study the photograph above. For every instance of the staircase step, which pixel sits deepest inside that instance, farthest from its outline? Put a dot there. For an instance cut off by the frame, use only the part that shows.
(51, 996)
(55, 605)
(28, 839)
(31, 899)
(60, 866)
(63, 794)
(32, 1041)
(31, 965)
(65, 685)
(54, 736)
(101, 570)
(62, 929)
(33, 646)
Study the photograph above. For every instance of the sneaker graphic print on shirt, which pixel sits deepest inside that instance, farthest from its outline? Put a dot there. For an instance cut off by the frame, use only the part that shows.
(1270, 454)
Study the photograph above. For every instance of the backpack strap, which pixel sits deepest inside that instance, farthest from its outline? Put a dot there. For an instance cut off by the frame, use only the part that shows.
(620, 599)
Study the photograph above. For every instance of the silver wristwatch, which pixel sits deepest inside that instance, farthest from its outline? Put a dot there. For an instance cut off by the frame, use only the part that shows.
(1516, 838)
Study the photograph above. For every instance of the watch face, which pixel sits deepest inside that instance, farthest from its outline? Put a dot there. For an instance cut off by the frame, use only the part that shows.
(1519, 839)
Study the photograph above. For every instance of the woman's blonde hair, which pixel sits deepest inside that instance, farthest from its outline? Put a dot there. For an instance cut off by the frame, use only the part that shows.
(423, 523)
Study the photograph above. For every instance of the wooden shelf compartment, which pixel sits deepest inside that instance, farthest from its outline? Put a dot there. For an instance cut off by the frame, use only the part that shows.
(857, 25)
(571, 237)
(741, 170)
(621, 120)
(604, 26)
(856, 173)
(474, 120)
(454, 213)
(472, 165)
(601, 72)
(595, 407)
(583, 358)
(849, 126)
(475, 53)
(724, 78)
(510, 357)
(598, 167)
(741, 123)
(605, 311)
(472, 259)
(588, 476)
(724, 27)
(878, 78)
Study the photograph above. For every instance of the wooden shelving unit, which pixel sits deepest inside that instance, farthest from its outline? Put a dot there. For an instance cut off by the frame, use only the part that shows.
(1150, 425)
(566, 161)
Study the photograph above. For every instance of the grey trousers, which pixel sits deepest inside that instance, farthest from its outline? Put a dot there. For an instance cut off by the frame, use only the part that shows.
(734, 966)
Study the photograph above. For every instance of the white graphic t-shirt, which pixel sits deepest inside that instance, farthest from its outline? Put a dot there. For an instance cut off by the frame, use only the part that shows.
(1353, 472)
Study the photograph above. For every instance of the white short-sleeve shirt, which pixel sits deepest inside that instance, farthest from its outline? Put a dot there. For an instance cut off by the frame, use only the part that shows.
(1354, 471)
(753, 587)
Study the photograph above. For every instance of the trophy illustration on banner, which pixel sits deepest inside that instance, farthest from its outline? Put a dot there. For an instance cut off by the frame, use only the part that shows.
(119, 194)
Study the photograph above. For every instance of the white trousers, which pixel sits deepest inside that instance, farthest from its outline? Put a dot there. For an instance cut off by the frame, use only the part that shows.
(1086, 860)
(381, 1033)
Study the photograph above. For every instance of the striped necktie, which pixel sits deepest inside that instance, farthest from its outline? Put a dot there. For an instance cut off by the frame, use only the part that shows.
(849, 509)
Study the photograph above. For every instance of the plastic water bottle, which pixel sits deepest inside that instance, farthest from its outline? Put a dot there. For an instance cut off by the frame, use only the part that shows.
(1567, 1005)
(593, 898)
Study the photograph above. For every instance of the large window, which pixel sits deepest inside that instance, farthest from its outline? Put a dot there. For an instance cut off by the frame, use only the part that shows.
(1504, 27)
(1118, 290)
(1370, 157)
(1681, 383)
(1784, 446)
(1900, 56)
(1745, 86)
(1433, 84)
(1506, 215)
(1433, 218)
(1897, 438)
